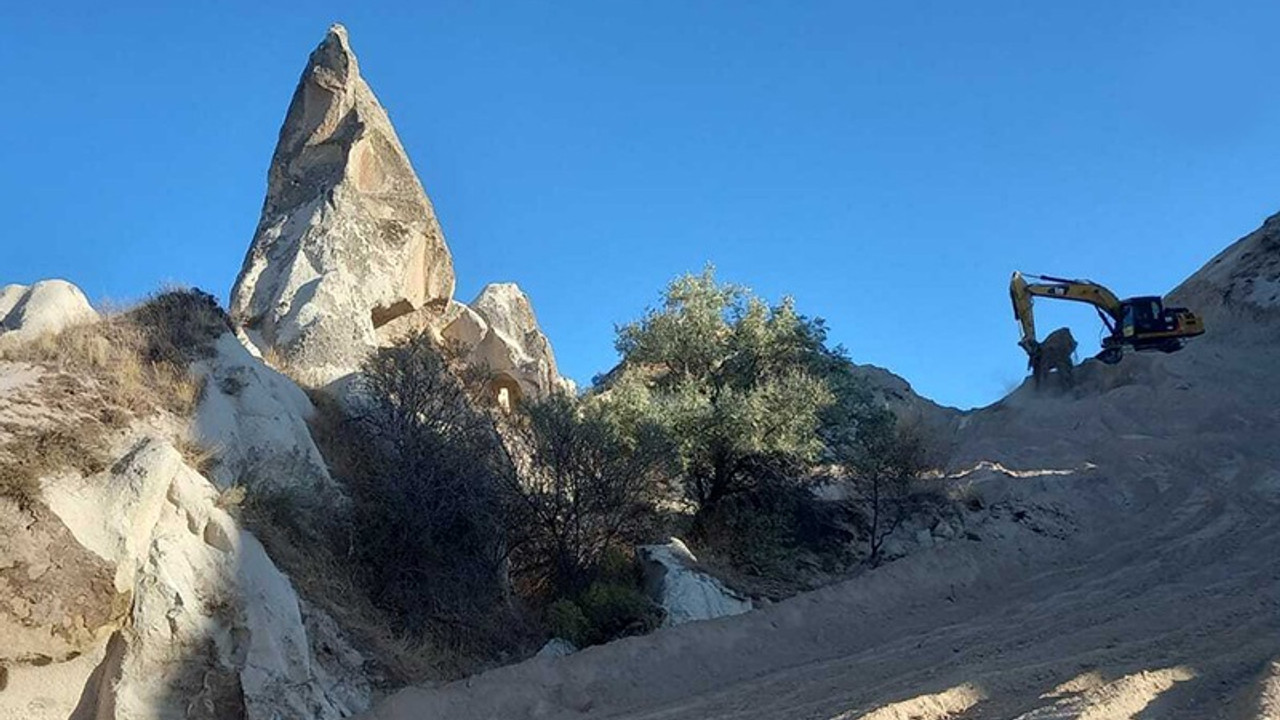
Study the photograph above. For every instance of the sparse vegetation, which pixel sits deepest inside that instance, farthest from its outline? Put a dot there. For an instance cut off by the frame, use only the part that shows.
(468, 525)
(135, 360)
(103, 374)
(423, 541)
(884, 477)
(34, 453)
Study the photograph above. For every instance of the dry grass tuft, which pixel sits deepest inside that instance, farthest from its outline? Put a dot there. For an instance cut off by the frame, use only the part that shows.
(231, 498)
(203, 458)
(128, 365)
(35, 453)
(137, 360)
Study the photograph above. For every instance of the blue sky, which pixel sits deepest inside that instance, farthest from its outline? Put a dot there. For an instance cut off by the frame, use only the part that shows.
(888, 164)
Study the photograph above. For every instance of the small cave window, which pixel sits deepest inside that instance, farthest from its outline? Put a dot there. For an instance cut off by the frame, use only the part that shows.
(505, 391)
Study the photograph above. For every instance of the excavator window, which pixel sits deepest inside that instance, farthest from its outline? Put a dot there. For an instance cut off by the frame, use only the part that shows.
(1147, 317)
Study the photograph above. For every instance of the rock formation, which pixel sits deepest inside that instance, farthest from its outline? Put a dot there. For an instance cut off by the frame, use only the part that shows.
(685, 593)
(348, 240)
(45, 307)
(1053, 355)
(255, 419)
(498, 332)
(127, 588)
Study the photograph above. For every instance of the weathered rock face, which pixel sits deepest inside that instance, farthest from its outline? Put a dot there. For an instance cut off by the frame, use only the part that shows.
(213, 626)
(499, 331)
(348, 240)
(132, 593)
(685, 593)
(45, 307)
(255, 420)
(57, 596)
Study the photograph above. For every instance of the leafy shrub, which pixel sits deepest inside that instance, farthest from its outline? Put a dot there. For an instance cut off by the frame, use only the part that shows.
(617, 610)
(566, 620)
(749, 392)
(759, 409)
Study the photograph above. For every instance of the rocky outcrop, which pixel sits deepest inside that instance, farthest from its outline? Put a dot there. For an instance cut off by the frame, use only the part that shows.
(164, 607)
(498, 331)
(58, 597)
(348, 240)
(685, 593)
(44, 307)
(254, 420)
(935, 424)
(128, 590)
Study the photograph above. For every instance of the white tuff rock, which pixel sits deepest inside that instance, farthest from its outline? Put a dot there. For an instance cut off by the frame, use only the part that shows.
(686, 594)
(557, 647)
(45, 307)
(215, 630)
(254, 420)
(499, 331)
(348, 240)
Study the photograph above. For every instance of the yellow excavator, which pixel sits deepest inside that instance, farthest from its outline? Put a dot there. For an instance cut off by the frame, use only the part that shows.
(1141, 323)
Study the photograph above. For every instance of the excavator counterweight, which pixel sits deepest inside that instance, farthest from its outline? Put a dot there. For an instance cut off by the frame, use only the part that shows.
(1139, 323)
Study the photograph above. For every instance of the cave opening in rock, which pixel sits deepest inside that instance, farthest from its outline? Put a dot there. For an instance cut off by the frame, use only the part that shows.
(383, 315)
(505, 391)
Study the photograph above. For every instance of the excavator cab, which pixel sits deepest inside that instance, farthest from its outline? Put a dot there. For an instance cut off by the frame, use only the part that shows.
(1146, 324)
(1142, 316)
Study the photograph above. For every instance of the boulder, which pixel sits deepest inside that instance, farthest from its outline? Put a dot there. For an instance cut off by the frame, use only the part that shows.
(499, 331)
(348, 240)
(685, 593)
(45, 307)
(557, 647)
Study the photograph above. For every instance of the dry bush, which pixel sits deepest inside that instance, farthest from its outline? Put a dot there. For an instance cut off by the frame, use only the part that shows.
(428, 520)
(328, 575)
(411, 568)
(584, 488)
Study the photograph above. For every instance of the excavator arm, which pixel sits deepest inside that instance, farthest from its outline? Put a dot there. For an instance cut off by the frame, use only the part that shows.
(1109, 307)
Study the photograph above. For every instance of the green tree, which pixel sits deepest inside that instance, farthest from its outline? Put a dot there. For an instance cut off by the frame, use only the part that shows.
(750, 392)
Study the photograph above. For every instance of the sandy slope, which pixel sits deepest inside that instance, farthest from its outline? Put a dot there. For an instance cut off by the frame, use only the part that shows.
(1128, 567)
